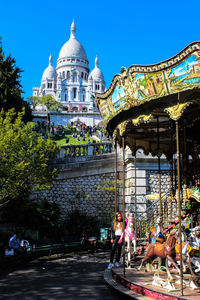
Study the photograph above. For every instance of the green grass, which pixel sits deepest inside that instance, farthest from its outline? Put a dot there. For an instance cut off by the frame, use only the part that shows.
(72, 141)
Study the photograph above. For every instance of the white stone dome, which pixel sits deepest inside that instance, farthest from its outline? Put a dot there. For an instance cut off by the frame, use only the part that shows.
(73, 48)
(96, 73)
(49, 72)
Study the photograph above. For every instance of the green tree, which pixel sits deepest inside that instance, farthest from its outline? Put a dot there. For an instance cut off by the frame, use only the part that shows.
(10, 87)
(108, 186)
(49, 102)
(41, 215)
(24, 158)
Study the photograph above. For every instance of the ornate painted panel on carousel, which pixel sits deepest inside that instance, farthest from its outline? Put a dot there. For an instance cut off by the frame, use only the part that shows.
(142, 84)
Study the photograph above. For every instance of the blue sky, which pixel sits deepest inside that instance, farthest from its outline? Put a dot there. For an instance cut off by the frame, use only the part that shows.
(121, 33)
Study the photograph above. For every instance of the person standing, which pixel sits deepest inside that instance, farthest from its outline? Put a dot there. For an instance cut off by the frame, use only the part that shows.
(116, 232)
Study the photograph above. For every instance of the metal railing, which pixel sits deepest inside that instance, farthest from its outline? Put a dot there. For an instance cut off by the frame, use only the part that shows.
(152, 212)
(85, 150)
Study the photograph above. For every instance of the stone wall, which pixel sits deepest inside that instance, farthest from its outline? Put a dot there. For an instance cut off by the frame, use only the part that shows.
(152, 181)
(65, 118)
(77, 184)
(77, 187)
(146, 182)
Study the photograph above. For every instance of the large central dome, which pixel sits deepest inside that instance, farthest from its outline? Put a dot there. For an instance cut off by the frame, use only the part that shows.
(73, 48)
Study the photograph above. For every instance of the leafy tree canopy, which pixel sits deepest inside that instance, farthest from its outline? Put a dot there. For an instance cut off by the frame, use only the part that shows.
(10, 87)
(47, 101)
(24, 158)
(41, 215)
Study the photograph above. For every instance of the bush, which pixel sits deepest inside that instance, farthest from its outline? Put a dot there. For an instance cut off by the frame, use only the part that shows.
(42, 216)
(78, 223)
(4, 241)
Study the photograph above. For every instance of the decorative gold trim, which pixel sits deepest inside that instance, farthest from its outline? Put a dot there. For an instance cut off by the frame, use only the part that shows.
(122, 127)
(171, 62)
(114, 135)
(176, 112)
(194, 193)
(142, 118)
(166, 63)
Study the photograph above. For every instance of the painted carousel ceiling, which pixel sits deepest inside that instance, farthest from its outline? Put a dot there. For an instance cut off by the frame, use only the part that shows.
(139, 92)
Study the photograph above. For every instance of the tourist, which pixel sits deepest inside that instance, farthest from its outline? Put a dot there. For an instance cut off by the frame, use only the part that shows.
(116, 232)
(15, 244)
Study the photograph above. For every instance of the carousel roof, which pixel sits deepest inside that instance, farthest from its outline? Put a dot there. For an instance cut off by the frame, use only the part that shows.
(141, 92)
(143, 101)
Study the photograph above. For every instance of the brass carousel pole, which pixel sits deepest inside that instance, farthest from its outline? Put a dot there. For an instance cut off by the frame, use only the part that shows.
(135, 198)
(185, 160)
(123, 193)
(179, 204)
(159, 174)
(171, 186)
(172, 172)
(116, 177)
(175, 182)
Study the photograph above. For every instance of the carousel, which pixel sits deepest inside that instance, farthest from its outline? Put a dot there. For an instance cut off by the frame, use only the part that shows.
(156, 108)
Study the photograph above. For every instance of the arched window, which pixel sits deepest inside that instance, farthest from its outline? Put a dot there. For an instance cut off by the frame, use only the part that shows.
(83, 95)
(74, 77)
(74, 93)
(75, 109)
(82, 74)
(49, 86)
(68, 74)
(84, 109)
(63, 74)
(66, 95)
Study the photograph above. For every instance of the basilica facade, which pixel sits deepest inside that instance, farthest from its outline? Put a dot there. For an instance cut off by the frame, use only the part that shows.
(72, 84)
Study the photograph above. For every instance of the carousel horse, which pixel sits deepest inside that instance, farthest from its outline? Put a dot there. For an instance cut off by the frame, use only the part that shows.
(130, 237)
(165, 250)
(155, 234)
(189, 249)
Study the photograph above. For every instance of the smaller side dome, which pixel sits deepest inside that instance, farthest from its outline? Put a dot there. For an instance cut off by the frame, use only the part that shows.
(96, 73)
(50, 72)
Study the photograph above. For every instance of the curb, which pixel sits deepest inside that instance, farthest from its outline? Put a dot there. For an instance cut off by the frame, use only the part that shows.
(120, 288)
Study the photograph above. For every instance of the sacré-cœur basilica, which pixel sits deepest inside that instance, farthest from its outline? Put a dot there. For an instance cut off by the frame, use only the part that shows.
(72, 84)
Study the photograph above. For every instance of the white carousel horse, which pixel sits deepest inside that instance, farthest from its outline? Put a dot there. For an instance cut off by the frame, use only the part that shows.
(194, 247)
(130, 238)
(190, 247)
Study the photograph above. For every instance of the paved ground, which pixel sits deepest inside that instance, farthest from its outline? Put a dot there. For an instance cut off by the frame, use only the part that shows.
(71, 277)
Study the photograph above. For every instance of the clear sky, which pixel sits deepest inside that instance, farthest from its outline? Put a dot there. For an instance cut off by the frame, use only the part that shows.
(121, 33)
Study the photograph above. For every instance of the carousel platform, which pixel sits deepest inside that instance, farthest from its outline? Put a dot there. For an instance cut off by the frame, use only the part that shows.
(139, 285)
